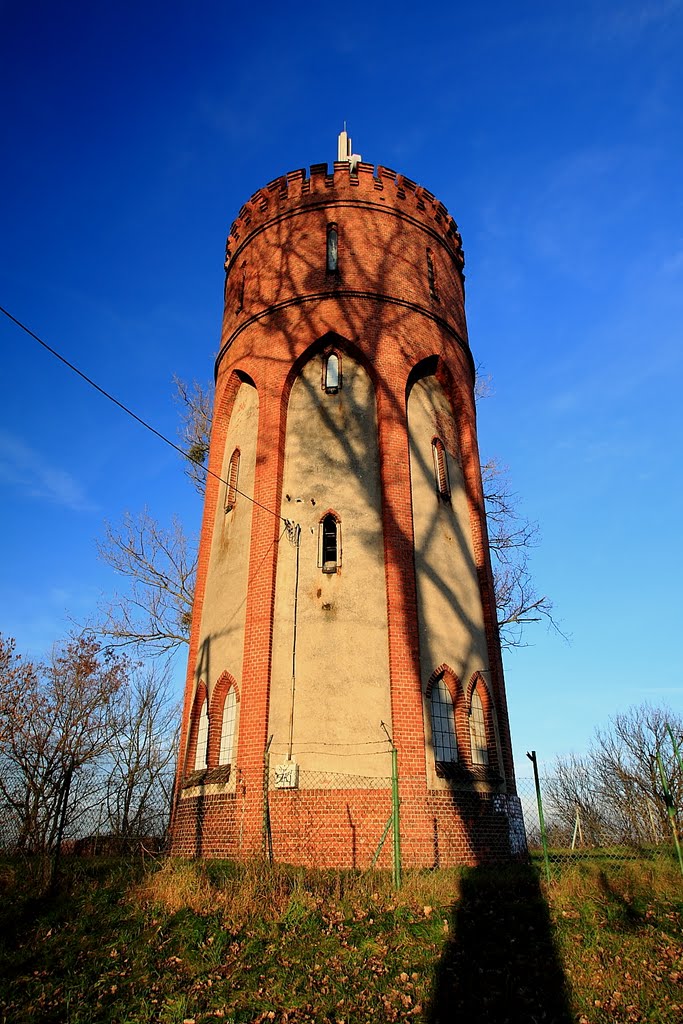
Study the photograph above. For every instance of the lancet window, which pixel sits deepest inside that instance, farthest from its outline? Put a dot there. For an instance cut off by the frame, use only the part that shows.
(443, 484)
(332, 248)
(443, 723)
(329, 543)
(202, 738)
(233, 473)
(480, 750)
(431, 275)
(228, 727)
(332, 377)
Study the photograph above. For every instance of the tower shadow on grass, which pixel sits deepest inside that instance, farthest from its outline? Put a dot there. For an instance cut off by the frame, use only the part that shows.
(500, 964)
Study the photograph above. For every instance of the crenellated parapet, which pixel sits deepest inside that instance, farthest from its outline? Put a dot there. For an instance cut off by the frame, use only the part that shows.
(378, 186)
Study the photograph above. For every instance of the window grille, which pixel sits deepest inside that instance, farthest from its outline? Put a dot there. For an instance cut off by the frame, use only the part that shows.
(228, 727)
(443, 723)
(480, 750)
(200, 758)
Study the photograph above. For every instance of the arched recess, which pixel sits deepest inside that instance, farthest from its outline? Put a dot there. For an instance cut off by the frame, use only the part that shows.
(227, 532)
(331, 467)
(479, 685)
(225, 686)
(451, 621)
(199, 702)
(328, 342)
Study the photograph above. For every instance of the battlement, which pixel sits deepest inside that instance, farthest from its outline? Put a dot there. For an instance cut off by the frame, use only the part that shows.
(367, 184)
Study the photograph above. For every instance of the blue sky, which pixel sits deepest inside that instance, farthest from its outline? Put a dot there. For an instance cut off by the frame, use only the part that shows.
(132, 134)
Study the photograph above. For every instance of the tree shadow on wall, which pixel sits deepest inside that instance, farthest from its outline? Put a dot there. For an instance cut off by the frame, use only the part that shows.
(500, 964)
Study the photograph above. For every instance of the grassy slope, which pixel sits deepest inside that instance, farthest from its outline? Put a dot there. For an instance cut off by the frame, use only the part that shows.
(185, 942)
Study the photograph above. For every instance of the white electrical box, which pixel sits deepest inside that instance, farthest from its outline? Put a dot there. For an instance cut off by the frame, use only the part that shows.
(287, 775)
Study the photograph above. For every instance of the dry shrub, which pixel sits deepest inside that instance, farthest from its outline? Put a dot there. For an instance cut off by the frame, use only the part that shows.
(178, 884)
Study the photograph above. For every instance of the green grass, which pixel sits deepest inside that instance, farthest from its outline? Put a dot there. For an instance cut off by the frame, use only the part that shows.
(183, 941)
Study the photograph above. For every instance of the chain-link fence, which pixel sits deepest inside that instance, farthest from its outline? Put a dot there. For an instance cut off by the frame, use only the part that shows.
(88, 830)
(560, 832)
(322, 818)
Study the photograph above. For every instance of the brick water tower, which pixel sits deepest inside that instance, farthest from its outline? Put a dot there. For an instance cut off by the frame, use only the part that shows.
(344, 600)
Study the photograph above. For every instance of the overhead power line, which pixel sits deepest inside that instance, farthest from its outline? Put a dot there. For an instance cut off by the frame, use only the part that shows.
(129, 412)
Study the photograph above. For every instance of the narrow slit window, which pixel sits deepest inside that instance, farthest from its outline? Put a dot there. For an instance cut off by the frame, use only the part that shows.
(332, 248)
(233, 473)
(329, 544)
(202, 738)
(228, 727)
(443, 484)
(431, 276)
(332, 374)
(240, 290)
(443, 724)
(480, 749)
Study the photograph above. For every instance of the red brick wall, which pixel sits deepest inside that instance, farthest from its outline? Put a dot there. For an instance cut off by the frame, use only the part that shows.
(343, 827)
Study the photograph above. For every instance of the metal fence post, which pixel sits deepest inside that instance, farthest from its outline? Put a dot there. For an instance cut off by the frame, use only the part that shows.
(395, 809)
(395, 805)
(267, 833)
(541, 820)
(671, 810)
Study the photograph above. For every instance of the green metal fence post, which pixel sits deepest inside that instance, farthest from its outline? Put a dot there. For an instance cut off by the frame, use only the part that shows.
(677, 751)
(541, 820)
(395, 806)
(267, 833)
(671, 810)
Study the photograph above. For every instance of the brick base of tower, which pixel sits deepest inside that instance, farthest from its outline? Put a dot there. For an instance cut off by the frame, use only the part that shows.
(343, 828)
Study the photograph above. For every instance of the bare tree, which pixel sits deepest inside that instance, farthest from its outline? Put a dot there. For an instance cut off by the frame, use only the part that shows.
(617, 787)
(160, 564)
(54, 729)
(139, 765)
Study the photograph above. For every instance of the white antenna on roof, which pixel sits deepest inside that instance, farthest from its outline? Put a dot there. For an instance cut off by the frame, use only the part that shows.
(345, 152)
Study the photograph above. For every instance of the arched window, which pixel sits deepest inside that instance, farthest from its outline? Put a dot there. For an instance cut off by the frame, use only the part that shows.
(480, 749)
(431, 277)
(332, 374)
(332, 248)
(202, 738)
(228, 727)
(329, 546)
(443, 723)
(443, 484)
(233, 472)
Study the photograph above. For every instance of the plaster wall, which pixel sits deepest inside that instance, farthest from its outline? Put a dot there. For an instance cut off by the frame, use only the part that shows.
(341, 690)
(450, 614)
(221, 642)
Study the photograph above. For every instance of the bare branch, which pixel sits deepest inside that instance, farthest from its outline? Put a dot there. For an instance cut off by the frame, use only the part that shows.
(195, 402)
(511, 538)
(160, 564)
